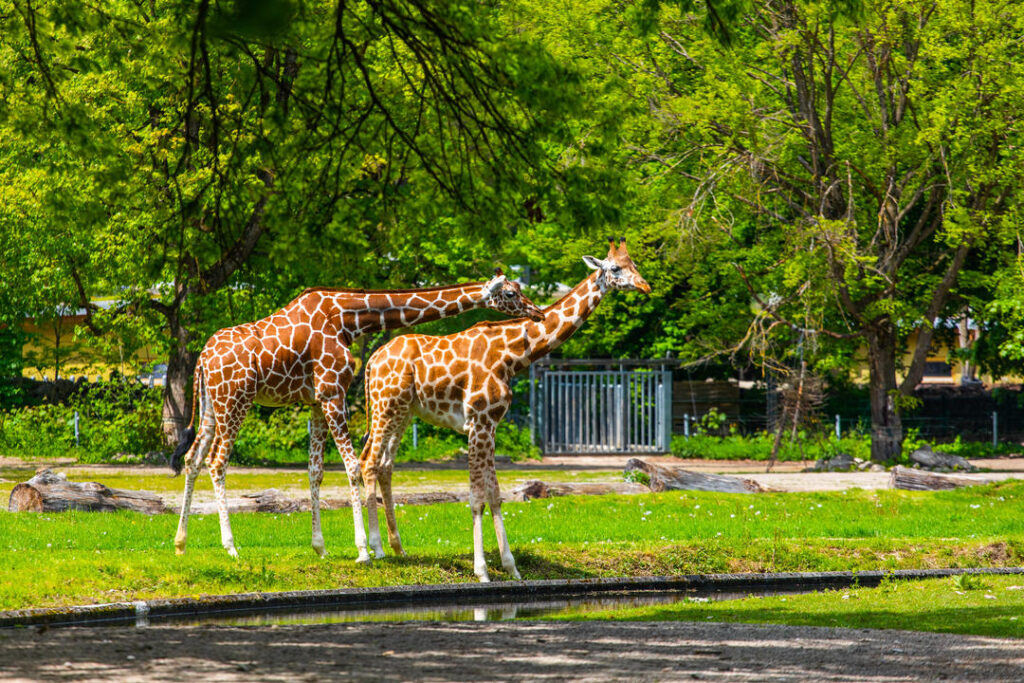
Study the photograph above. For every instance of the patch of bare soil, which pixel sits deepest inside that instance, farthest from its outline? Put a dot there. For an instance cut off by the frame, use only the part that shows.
(577, 651)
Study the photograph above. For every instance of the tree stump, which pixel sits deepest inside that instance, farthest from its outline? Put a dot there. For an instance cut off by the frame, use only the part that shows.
(918, 480)
(678, 479)
(49, 492)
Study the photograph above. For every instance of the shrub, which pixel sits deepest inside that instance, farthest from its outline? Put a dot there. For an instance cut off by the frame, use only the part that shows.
(113, 420)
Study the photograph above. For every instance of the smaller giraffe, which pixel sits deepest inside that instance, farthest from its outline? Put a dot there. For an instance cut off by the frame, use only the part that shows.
(461, 381)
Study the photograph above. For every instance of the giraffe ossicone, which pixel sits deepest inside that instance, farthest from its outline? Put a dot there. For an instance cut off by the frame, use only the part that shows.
(461, 381)
(300, 354)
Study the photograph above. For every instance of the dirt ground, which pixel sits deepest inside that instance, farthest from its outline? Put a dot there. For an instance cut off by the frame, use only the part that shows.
(531, 651)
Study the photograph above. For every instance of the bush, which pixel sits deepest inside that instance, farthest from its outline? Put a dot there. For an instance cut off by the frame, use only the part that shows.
(759, 447)
(113, 420)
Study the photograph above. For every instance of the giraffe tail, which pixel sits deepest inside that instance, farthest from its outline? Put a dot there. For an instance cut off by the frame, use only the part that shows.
(178, 457)
(188, 436)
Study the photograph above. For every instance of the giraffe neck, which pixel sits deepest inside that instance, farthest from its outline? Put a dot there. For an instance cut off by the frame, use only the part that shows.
(371, 311)
(561, 320)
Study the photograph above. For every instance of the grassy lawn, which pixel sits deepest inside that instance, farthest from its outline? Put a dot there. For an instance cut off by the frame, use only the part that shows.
(76, 558)
(988, 606)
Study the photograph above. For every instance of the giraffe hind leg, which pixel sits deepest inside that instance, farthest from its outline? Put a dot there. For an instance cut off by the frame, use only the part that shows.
(334, 412)
(193, 461)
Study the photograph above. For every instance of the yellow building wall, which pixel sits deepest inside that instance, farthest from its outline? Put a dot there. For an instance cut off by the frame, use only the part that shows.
(77, 357)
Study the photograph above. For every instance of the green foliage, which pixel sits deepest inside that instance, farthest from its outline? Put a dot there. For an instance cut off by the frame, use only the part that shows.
(638, 477)
(116, 423)
(969, 582)
(759, 447)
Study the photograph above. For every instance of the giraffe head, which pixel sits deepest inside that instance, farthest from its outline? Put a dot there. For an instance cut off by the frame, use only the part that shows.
(617, 270)
(505, 296)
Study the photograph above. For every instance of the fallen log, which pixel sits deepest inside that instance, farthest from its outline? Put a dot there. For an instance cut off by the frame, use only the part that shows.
(539, 489)
(677, 479)
(49, 492)
(918, 480)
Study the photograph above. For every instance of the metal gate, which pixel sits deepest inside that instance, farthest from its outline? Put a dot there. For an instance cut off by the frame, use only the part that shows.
(602, 411)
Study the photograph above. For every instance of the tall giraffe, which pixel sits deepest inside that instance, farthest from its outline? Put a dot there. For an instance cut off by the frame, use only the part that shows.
(300, 355)
(461, 381)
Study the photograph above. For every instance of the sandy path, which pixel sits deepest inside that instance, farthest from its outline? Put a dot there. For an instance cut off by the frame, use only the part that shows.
(537, 651)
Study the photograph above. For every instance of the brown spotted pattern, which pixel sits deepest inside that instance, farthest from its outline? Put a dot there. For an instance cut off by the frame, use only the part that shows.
(461, 381)
(300, 355)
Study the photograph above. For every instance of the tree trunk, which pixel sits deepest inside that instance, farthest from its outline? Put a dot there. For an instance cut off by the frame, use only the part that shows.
(886, 424)
(48, 492)
(916, 480)
(181, 362)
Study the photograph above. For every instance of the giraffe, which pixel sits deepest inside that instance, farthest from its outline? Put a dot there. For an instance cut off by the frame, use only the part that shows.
(461, 381)
(300, 355)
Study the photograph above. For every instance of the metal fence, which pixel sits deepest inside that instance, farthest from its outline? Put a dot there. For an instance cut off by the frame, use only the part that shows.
(580, 410)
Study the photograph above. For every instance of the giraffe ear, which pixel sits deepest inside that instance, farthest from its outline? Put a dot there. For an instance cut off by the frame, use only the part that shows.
(594, 263)
(495, 283)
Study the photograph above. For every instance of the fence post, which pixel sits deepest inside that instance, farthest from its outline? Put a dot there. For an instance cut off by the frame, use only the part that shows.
(839, 432)
(995, 429)
(686, 425)
(415, 435)
(76, 429)
(666, 410)
(533, 405)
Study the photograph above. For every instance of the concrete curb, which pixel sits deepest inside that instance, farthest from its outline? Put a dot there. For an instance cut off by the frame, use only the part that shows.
(394, 597)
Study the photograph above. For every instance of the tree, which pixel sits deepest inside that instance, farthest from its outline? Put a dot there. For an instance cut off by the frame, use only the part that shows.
(203, 161)
(851, 163)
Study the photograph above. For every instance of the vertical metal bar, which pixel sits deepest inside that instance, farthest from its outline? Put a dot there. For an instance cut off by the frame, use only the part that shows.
(839, 431)
(415, 435)
(995, 429)
(533, 404)
(77, 433)
(666, 411)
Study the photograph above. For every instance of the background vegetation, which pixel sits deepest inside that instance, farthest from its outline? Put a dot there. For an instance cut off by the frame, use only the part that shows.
(799, 180)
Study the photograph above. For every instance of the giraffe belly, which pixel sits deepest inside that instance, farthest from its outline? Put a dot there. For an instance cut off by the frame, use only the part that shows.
(286, 392)
(441, 413)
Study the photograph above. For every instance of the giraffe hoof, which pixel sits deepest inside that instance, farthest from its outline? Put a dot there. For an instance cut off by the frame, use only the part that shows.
(232, 552)
(179, 551)
(364, 559)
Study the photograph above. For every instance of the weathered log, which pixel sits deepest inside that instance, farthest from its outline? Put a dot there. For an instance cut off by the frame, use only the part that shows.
(678, 479)
(49, 492)
(539, 489)
(919, 480)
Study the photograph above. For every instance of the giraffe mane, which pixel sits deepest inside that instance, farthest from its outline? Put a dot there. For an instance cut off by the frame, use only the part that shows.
(412, 290)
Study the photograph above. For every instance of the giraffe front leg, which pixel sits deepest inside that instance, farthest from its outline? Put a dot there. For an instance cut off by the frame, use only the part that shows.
(193, 460)
(334, 412)
(372, 522)
(477, 492)
(317, 439)
(218, 468)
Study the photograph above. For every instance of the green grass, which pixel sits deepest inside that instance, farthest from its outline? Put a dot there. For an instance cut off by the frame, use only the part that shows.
(992, 606)
(75, 558)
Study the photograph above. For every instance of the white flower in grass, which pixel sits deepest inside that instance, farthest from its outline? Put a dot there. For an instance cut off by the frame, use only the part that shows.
(550, 505)
(975, 507)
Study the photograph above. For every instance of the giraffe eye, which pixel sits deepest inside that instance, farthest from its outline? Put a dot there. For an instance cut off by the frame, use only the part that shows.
(509, 293)
(616, 269)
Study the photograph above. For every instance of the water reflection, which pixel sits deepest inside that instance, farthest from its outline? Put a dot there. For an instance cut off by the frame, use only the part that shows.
(487, 611)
